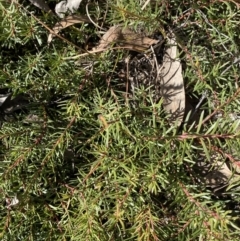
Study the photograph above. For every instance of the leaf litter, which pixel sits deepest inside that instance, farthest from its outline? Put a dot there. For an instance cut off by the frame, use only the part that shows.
(66, 22)
(41, 4)
(172, 85)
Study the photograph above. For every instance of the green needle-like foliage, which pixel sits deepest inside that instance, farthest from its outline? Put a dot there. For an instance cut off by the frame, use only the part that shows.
(96, 165)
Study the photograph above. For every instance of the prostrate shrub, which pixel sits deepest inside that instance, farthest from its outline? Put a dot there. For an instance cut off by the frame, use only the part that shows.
(86, 153)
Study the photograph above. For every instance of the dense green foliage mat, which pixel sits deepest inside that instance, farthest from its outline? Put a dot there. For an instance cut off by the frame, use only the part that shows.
(81, 160)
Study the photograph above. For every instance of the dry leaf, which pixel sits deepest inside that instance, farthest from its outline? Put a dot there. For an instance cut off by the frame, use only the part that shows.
(66, 22)
(109, 37)
(41, 4)
(126, 38)
(135, 41)
(70, 5)
(216, 174)
(10, 202)
(4, 99)
(172, 86)
(10, 105)
(220, 175)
